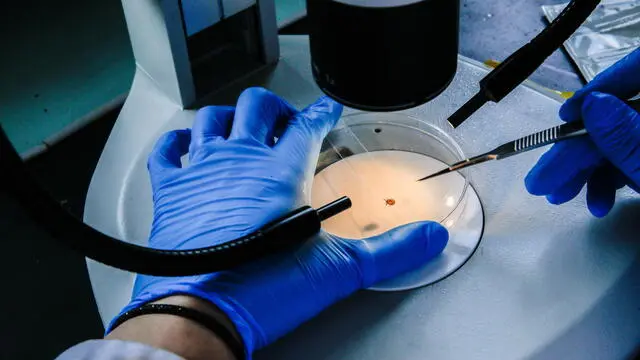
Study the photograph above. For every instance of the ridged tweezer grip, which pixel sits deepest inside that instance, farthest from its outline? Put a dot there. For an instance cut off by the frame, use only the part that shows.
(542, 138)
(556, 133)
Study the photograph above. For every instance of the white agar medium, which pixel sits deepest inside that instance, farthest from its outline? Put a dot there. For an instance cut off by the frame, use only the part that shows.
(385, 193)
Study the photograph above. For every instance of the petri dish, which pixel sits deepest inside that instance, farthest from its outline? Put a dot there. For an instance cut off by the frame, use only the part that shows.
(376, 159)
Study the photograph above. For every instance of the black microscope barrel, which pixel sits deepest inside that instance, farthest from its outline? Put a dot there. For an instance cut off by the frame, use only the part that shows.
(383, 55)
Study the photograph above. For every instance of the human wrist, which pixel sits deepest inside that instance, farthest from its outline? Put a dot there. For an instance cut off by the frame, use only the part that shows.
(186, 336)
(204, 306)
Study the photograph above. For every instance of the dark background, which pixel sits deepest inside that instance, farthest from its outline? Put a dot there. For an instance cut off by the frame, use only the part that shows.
(47, 303)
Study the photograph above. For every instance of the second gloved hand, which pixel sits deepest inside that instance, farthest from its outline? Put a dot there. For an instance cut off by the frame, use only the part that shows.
(606, 160)
(239, 179)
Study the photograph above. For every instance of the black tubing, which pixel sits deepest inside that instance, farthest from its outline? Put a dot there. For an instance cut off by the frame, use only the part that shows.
(521, 64)
(17, 182)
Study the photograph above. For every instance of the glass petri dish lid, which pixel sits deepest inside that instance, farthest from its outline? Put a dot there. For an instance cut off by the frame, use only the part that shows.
(376, 160)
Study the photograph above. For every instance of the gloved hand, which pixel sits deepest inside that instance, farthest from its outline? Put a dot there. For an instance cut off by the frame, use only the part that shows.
(237, 180)
(606, 160)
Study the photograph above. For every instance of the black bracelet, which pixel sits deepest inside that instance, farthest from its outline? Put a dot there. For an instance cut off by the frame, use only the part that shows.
(201, 318)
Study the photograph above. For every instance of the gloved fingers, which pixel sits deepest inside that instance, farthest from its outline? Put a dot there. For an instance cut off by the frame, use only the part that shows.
(308, 128)
(167, 152)
(211, 122)
(622, 80)
(559, 166)
(601, 189)
(258, 113)
(615, 129)
(399, 250)
(569, 190)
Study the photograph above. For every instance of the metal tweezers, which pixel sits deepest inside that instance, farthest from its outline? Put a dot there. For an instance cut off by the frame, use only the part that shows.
(524, 144)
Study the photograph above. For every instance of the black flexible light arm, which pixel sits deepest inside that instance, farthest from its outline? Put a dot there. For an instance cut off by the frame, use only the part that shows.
(521, 64)
(16, 180)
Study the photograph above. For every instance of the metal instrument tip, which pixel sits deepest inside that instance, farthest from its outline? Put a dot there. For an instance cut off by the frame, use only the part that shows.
(441, 172)
(462, 164)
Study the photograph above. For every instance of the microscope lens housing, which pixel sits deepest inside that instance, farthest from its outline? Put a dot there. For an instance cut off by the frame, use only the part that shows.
(383, 55)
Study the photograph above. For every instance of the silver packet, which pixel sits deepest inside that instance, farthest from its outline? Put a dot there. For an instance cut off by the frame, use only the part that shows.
(610, 33)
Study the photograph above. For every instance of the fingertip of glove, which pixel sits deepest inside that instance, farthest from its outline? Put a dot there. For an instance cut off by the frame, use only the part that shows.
(570, 110)
(327, 105)
(532, 183)
(170, 139)
(554, 200)
(325, 108)
(253, 93)
(529, 183)
(598, 211)
(437, 238)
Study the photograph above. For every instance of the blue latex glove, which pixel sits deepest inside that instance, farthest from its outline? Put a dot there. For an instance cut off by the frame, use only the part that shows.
(237, 181)
(606, 160)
